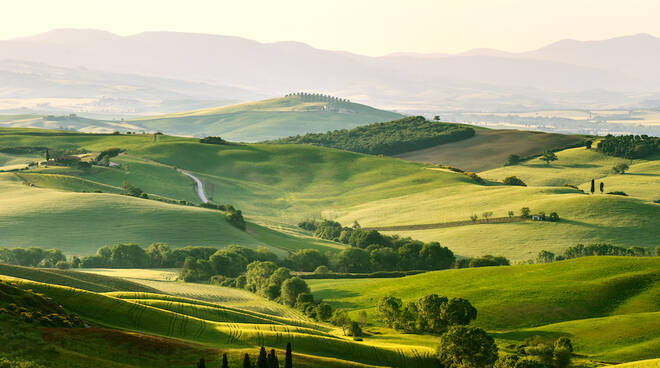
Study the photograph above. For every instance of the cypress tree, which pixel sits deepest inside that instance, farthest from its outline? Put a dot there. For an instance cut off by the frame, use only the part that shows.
(272, 359)
(225, 364)
(262, 361)
(288, 360)
(246, 361)
(201, 363)
(593, 186)
(602, 187)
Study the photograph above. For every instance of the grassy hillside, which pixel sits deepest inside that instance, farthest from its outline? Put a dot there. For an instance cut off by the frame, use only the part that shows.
(279, 185)
(489, 149)
(118, 313)
(79, 280)
(268, 119)
(649, 363)
(519, 296)
(620, 338)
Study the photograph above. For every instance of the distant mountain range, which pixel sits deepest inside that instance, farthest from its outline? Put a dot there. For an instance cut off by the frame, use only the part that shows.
(567, 74)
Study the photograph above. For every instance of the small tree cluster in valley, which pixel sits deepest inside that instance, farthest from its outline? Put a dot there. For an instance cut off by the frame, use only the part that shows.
(539, 353)
(132, 190)
(483, 261)
(372, 251)
(596, 249)
(430, 314)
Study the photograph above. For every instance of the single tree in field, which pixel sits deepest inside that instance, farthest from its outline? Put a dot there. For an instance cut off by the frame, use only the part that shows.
(512, 159)
(288, 359)
(621, 168)
(588, 144)
(225, 363)
(562, 352)
(593, 186)
(272, 359)
(487, 214)
(511, 213)
(467, 347)
(246, 361)
(474, 218)
(524, 212)
(262, 360)
(548, 157)
(602, 187)
(436, 118)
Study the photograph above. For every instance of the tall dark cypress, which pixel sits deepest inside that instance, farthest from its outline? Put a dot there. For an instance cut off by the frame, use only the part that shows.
(272, 359)
(262, 361)
(602, 187)
(246, 361)
(288, 360)
(201, 363)
(593, 186)
(225, 364)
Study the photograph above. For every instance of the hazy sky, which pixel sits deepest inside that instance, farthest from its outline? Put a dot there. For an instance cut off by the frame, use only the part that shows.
(372, 27)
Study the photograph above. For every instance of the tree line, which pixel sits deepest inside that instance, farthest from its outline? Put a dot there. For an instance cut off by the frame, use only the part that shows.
(264, 359)
(389, 138)
(629, 146)
(372, 251)
(596, 249)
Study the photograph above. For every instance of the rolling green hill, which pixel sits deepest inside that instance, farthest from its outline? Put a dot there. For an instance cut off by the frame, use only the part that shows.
(268, 119)
(279, 185)
(520, 296)
(489, 149)
(123, 314)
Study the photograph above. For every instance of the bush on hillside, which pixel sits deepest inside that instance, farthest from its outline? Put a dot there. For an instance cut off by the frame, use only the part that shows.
(513, 180)
(390, 138)
(235, 218)
(618, 193)
(212, 140)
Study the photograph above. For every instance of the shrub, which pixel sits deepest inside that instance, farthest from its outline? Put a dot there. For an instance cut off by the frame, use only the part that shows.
(513, 180)
(235, 218)
(475, 177)
(212, 140)
(618, 193)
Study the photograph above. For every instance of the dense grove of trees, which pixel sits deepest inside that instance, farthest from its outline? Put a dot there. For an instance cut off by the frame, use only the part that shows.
(431, 314)
(372, 251)
(212, 140)
(596, 249)
(390, 138)
(514, 180)
(629, 146)
(32, 257)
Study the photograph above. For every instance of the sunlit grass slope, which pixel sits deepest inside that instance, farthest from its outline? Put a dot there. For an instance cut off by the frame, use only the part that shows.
(649, 363)
(619, 338)
(79, 280)
(118, 313)
(573, 166)
(79, 223)
(268, 119)
(519, 296)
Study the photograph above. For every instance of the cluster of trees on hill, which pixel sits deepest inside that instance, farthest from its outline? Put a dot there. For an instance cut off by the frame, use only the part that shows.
(262, 272)
(629, 146)
(213, 140)
(390, 138)
(431, 314)
(372, 251)
(313, 97)
(33, 257)
(596, 249)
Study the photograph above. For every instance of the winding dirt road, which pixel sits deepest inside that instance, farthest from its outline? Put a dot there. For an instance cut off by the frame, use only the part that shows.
(200, 187)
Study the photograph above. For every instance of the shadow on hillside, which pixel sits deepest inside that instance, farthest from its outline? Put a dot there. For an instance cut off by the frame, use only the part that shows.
(338, 294)
(579, 223)
(581, 166)
(641, 174)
